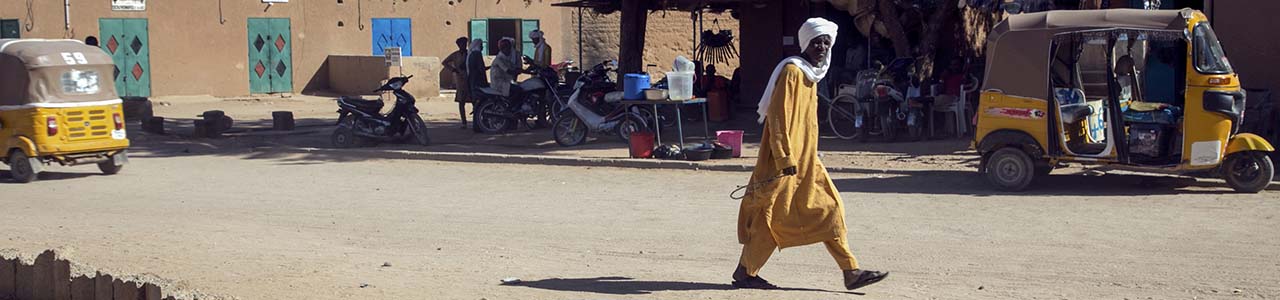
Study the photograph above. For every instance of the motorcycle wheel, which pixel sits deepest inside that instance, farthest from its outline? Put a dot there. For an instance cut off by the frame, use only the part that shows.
(630, 123)
(419, 129)
(842, 115)
(490, 117)
(554, 113)
(343, 137)
(569, 130)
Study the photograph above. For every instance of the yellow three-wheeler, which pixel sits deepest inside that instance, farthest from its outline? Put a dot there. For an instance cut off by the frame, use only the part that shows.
(1141, 90)
(58, 104)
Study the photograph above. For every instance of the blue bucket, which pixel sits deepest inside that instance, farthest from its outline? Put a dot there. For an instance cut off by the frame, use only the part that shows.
(633, 86)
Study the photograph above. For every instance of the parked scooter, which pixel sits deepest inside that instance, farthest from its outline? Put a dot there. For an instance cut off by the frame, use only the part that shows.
(495, 113)
(594, 107)
(360, 121)
(882, 106)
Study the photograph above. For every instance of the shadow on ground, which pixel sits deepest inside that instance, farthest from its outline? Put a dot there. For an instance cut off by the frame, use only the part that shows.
(617, 285)
(951, 182)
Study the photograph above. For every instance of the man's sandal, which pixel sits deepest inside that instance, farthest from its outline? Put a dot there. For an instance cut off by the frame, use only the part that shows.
(754, 283)
(865, 278)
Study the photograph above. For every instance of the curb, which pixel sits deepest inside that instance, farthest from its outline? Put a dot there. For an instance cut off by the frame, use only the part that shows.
(494, 158)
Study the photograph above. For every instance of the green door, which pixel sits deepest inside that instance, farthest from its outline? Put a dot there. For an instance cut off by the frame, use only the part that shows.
(270, 58)
(127, 42)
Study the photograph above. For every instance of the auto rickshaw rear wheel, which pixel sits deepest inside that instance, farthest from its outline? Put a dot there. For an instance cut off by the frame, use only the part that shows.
(109, 167)
(20, 167)
(1248, 172)
(1010, 169)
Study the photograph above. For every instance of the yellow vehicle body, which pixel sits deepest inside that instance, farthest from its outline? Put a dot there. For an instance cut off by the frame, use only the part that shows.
(1010, 115)
(58, 105)
(87, 129)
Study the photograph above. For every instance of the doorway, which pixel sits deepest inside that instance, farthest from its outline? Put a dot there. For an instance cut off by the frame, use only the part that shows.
(270, 56)
(127, 41)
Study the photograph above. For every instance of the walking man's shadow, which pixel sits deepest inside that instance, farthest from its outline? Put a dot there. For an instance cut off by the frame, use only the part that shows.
(617, 285)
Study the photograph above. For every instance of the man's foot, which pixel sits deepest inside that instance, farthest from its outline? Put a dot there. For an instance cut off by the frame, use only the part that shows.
(854, 279)
(744, 281)
(754, 282)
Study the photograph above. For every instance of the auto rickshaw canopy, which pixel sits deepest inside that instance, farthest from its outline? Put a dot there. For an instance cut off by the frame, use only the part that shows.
(1018, 49)
(37, 71)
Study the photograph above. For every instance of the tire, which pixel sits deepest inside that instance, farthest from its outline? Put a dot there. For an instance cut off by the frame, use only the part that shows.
(554, 112)
(630, 123)
(419, 130)
(489, 117)
(1248, 172)
(569, 130)
(344, 137)
(1010, 169)
(109, 167)
(20, 167)
(843, 125)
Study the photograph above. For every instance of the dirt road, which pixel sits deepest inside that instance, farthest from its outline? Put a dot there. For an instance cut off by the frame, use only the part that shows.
(262, 226)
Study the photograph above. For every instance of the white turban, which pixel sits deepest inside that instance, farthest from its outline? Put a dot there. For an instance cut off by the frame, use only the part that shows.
(536, 34)
(812, 28)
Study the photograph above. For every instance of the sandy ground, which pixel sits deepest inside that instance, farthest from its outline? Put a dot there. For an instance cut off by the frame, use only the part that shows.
(263, 226)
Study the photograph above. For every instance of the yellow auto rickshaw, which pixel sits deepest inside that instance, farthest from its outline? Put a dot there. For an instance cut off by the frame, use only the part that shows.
(1138, 90)
(58, 104)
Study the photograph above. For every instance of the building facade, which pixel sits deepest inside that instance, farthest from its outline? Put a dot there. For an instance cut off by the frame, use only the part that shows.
(242, 47)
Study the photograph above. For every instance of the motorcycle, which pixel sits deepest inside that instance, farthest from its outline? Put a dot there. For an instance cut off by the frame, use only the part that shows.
(881, 105)
(360, 121)
(593, 107)
(495, 113)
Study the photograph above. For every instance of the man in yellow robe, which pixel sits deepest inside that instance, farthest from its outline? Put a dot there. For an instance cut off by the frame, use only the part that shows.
(792, 201)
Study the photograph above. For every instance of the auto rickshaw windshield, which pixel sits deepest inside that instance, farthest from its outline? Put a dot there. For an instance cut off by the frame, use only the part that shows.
(1209, 57)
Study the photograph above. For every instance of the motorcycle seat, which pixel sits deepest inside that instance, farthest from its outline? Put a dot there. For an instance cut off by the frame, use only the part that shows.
(371, 106)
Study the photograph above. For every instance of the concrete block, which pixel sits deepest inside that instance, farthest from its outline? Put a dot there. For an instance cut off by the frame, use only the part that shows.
(153, 125)
(82, 288)
(150, 292)
(124, 290)
(103, 287)
(61, 280)
(8, 271)
(282, 120)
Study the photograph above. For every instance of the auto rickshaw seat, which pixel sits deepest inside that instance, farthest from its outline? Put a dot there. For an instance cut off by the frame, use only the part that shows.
(1076, 113)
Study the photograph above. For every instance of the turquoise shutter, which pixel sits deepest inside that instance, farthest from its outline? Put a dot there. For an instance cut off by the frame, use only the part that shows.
(479, 29)
(527, 26)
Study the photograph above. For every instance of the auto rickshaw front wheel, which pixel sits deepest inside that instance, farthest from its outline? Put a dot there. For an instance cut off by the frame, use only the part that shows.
(1247, 172)
(1010, 169)
(20, 167)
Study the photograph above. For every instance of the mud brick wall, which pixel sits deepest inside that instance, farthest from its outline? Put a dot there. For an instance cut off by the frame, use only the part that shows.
(50, 278)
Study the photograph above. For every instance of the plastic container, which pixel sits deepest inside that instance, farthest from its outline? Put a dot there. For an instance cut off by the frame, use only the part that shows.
(680, 85)
(641, 144)
(696, 153)
(732, 138)
(633, 86)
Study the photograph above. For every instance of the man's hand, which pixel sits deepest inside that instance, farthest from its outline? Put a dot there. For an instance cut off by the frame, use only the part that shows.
(789, 171)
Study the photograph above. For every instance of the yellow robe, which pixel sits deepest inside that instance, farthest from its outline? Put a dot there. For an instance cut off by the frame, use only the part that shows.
(801, 209)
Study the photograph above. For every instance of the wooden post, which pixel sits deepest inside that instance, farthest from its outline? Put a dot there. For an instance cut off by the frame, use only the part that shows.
(103, 288)
(42, 288)
(61, 279)
(8, 273)
(635, 18)
(82, 288)
(150, 292)
(124, 290)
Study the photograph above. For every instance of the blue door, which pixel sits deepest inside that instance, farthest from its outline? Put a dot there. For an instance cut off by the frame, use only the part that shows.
(393, 32)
